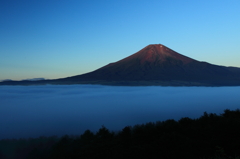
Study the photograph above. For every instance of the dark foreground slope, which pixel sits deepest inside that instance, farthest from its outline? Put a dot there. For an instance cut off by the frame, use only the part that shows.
(154, 65)
(210, 137)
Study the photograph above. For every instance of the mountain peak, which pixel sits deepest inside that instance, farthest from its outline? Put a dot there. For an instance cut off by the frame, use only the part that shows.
(158, 53)
(156, 62)
(156, 45)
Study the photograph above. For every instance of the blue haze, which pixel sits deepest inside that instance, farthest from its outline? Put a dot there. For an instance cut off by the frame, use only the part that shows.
(33, 111)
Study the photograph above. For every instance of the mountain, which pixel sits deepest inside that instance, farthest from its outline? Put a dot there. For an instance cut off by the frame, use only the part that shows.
(34, 79)
(155, 65)
(159, 63)
(5, 80)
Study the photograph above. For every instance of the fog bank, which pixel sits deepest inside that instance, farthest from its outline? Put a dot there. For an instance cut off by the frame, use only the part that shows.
(33, 111)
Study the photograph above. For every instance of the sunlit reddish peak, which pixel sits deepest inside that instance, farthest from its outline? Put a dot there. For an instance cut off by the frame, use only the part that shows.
(159, 63)
(154, 55)
(160, 53)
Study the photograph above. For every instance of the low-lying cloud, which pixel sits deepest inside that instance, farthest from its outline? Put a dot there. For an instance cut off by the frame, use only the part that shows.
(32, 111)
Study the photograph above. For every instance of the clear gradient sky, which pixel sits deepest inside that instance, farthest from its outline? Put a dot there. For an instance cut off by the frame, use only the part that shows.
(60, 38)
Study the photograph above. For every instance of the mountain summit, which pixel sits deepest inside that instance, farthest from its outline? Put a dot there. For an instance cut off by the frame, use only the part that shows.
(157, 53)
(157, 62)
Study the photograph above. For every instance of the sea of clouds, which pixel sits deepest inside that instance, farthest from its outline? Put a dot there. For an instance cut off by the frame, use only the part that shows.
(33, 111)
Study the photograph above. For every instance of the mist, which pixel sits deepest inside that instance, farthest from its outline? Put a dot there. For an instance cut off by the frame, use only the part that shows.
(33, 111)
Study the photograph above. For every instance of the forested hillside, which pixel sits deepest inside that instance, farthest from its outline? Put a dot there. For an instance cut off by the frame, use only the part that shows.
(209, 136)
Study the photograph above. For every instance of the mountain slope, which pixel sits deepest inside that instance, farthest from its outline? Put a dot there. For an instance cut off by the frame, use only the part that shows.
(153, 65)
(158, 62)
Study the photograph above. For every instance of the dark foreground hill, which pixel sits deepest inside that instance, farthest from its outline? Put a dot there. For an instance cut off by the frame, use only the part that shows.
(209, 137)
(156, 65)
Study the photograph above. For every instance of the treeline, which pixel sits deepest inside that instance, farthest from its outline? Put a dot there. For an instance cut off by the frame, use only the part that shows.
(22, 148)
(210, 136)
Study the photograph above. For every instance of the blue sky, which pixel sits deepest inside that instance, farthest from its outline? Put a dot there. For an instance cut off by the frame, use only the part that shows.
(60, 38)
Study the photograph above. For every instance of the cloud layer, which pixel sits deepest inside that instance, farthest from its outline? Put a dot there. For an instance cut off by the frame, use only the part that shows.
(32, 111)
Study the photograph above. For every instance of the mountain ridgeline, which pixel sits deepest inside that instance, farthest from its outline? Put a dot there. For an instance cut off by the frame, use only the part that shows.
(155, 65)
(158, 64)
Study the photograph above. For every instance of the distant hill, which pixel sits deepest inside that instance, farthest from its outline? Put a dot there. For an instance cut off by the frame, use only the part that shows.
(157, 65)
(34, 79)
(5, 80)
